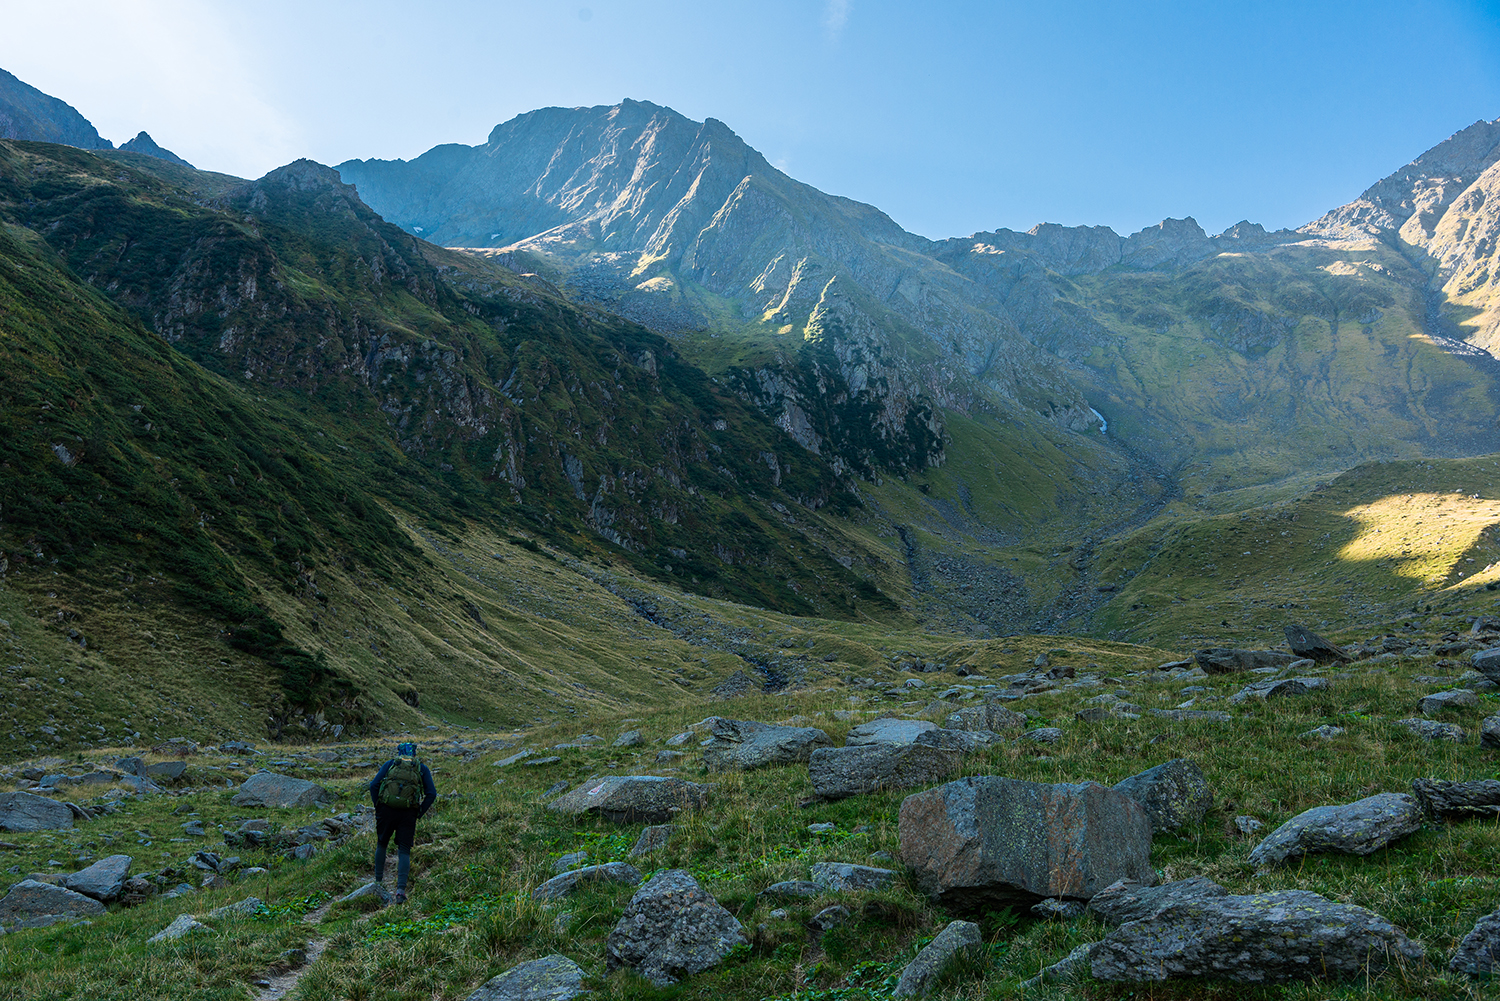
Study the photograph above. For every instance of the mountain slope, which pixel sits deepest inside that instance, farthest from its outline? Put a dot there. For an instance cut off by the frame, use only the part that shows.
(27, 113)
(145, 145)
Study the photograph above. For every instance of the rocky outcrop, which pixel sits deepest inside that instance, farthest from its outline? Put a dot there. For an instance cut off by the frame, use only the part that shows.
(145, 145)
(989, 842)
(27, 113)
(1124, 901)
(34, 904)
(840, 772)
(24, 811)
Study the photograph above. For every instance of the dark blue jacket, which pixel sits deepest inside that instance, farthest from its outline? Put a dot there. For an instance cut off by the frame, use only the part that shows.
(429, 790)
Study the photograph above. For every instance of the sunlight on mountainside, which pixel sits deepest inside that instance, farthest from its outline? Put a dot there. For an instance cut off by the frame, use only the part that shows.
(1425, 534)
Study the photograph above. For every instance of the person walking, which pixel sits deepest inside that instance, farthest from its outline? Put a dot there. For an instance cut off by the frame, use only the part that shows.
(402, 791)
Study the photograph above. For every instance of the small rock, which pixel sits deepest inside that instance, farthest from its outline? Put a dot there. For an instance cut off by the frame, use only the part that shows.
(104, 880)
(630, 738)
(184, 924)
(960, 941)
(1489, 733)
(514, 758)
(371, 895)
(541, 762)
(821, 828)
(1248, 825)
(565, 884)
(194, 829)
(1043, 735)
(844, 876)
(1054, 908)
(1324, 732)
(1192, 715)
(250, 905)
(829, 918)
(569, 861)
(282, 791)
(652, 839)
(1432, 730)
(1073, 967)
(1458, 698)
(551, 978)
(790, 889)
(678, 739)
(1267, 691)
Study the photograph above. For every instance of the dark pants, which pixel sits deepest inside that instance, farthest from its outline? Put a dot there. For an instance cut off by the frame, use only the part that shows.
(395, 820)
(402, 823)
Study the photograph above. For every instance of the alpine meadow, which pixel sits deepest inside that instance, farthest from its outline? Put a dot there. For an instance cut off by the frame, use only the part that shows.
(785, 605)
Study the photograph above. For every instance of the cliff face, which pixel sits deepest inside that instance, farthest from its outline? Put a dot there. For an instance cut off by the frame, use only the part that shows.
(682, 226)
(27, 113)
(1443, 204)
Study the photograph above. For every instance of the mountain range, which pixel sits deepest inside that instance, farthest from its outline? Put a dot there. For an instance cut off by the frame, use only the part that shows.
(287, 412)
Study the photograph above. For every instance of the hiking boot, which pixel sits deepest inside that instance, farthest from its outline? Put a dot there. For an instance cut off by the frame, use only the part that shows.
(400, 896)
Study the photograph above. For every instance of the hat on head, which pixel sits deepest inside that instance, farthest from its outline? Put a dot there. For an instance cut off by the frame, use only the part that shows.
(406, 750)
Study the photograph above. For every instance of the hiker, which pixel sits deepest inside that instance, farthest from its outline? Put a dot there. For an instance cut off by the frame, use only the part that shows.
(403, 792)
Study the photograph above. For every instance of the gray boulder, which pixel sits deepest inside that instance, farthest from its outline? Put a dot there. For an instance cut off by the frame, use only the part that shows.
(630, 738)
(1174, 794)
(988, 842)
(1324, 732)
(844, 876)
(571, 860)
(1306, 643)
(166, 771)
(250, 905)
(562, 885)
(270, 789)
(34, 904)
(1121, 902)
(551, 978)
(1359, 828)
(1458, 800)
(103, 880)
(672, 928)
(840, 772)
(960, 941)
(1075, 966)
(888, 731)
(1487, 662)
(742, 744)
(1428, 729)
(1043, 735)
(22, 812)
(1479, 952)
(652, 839)
(991, 716)
(1489, 732)
(1266, 691)
(1219, 660)
(1458, 698)
(1264, 938)
(372, 893)
(181, 926)
(631, 799)
(1192, 715)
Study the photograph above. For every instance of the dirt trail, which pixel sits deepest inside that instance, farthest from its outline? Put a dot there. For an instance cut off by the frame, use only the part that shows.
(279, 986)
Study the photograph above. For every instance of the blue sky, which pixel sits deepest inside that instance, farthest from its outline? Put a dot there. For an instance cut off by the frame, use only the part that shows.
(951, 116)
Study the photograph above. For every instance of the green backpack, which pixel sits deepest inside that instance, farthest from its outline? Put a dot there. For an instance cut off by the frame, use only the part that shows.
(402, 785)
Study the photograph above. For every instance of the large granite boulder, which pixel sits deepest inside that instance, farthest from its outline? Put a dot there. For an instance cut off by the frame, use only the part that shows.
(270, 789)
(840, 772)
(672, 928)
(34, 904)
(958, 942)
(1306, 643)
(991, 716)
(742, 744)
(23, 811)
(888, 730)
(551, 978)
(103, 880)
(1479, 953)
(987, 842)
(1174, 794)
(631, 799)
(1263, 938)
(1358, 828)
(1122, 901)
(1448, 800)
(562, 885)
(1219, 660)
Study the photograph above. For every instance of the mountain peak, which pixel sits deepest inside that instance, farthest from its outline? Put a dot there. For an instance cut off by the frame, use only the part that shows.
(27, 113)
(144, 144)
